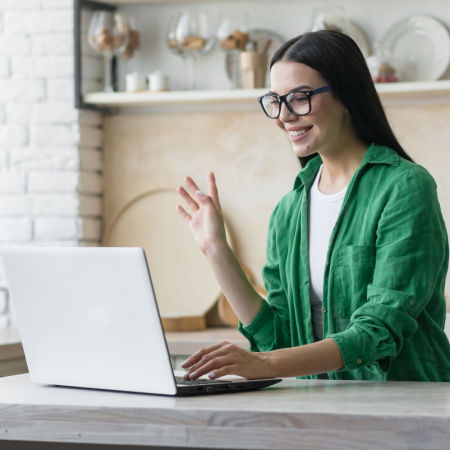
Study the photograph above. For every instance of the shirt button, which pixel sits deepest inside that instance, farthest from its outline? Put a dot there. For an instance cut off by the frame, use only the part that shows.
(411, 302)
(324, 309)
(359, 361)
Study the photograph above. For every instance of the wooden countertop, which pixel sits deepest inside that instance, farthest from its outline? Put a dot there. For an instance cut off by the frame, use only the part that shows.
(10, 346)
(319, 414)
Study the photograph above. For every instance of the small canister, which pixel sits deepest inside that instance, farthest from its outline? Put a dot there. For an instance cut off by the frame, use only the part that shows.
(132, 82)
(157, 81)
(253, 67)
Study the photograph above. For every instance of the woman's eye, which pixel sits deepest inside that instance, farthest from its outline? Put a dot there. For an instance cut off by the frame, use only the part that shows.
(273, 101)
(299, 99)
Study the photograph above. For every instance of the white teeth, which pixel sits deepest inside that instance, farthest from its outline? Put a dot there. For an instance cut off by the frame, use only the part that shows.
(299, 132)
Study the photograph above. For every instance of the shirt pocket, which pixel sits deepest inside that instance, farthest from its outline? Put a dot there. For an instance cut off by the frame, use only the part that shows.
(354, 270)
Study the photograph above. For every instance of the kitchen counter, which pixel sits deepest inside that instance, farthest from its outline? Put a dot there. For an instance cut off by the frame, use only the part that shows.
(12, 359)
(319, 414)
(181, 344)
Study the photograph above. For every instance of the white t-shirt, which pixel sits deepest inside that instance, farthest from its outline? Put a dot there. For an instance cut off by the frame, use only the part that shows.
(323, 213)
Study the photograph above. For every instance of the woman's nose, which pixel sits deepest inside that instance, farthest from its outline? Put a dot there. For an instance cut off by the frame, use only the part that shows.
(285, 114)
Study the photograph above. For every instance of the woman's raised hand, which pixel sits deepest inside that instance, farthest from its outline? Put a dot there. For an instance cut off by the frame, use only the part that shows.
(205, 215)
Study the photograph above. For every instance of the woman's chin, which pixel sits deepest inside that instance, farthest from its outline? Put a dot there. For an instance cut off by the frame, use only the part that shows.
(302, 151)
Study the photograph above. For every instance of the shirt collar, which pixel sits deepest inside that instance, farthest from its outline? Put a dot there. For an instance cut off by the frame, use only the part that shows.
(375, 154)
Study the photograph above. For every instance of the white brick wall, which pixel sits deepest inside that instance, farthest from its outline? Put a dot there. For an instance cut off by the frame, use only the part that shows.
(23, 91)
(48, 158)
(60, 89)
(57, 3)
(53, 112)
(14, 45)
(12, 134)
(54, 135)
(15, 230)
(56, 228)
(45, 67)
(53, 181)
(12, 5)
(15, 205)
(12, 182)
(50, 153)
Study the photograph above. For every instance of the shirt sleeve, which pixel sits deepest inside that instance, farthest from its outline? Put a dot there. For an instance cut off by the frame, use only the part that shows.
(411, 251)
(269, 330)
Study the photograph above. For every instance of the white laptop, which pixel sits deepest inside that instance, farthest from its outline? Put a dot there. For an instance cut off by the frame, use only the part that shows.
(88, 317)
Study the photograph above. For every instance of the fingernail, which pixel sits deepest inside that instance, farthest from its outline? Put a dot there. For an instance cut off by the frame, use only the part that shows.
(199, 192)
(212, 375)
(184, 362)
(192, 375)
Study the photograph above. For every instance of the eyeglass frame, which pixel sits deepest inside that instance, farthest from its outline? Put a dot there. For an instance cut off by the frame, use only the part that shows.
(282, 99)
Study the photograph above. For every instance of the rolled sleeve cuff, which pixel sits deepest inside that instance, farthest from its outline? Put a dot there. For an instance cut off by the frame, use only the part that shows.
(375, 336)
(351, 347)
(259, 332)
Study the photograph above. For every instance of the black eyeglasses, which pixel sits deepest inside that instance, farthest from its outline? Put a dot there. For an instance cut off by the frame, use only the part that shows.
(298, 102)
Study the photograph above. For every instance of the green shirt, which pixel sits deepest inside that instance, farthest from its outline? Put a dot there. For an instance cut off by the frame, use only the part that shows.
(383, 294)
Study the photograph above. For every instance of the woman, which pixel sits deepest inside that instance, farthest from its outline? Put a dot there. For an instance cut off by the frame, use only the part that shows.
(357, 252)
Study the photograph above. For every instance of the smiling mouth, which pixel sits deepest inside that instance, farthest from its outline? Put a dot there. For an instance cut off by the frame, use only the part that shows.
(297, 135)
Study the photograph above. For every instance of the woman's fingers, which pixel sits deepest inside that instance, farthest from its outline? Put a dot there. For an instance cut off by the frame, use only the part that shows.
(199, 354)
(212, 187)
(215, 364)
(192, 185)
(188, 199)
(183, 214)
(217, 373)
(227, 359)
(206, 361)
(195, 191)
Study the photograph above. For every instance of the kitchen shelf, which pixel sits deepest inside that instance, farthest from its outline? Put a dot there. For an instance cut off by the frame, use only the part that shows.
(118, 99)
(423, 91)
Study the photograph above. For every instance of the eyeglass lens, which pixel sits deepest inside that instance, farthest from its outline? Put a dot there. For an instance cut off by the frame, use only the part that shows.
(297, 101)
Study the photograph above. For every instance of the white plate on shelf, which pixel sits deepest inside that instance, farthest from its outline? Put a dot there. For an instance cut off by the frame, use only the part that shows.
(360, 37)
(419, 47)
(353, 30)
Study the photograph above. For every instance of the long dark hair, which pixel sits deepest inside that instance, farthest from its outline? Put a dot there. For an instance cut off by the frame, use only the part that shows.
(339, 60)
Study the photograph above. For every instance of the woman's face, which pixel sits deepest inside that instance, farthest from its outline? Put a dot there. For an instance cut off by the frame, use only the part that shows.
(322, 129)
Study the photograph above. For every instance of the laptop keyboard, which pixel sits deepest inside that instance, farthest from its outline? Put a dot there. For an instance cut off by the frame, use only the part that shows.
(181, 381)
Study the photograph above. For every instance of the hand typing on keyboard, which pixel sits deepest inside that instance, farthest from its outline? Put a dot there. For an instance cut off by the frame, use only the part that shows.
(227, 359)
